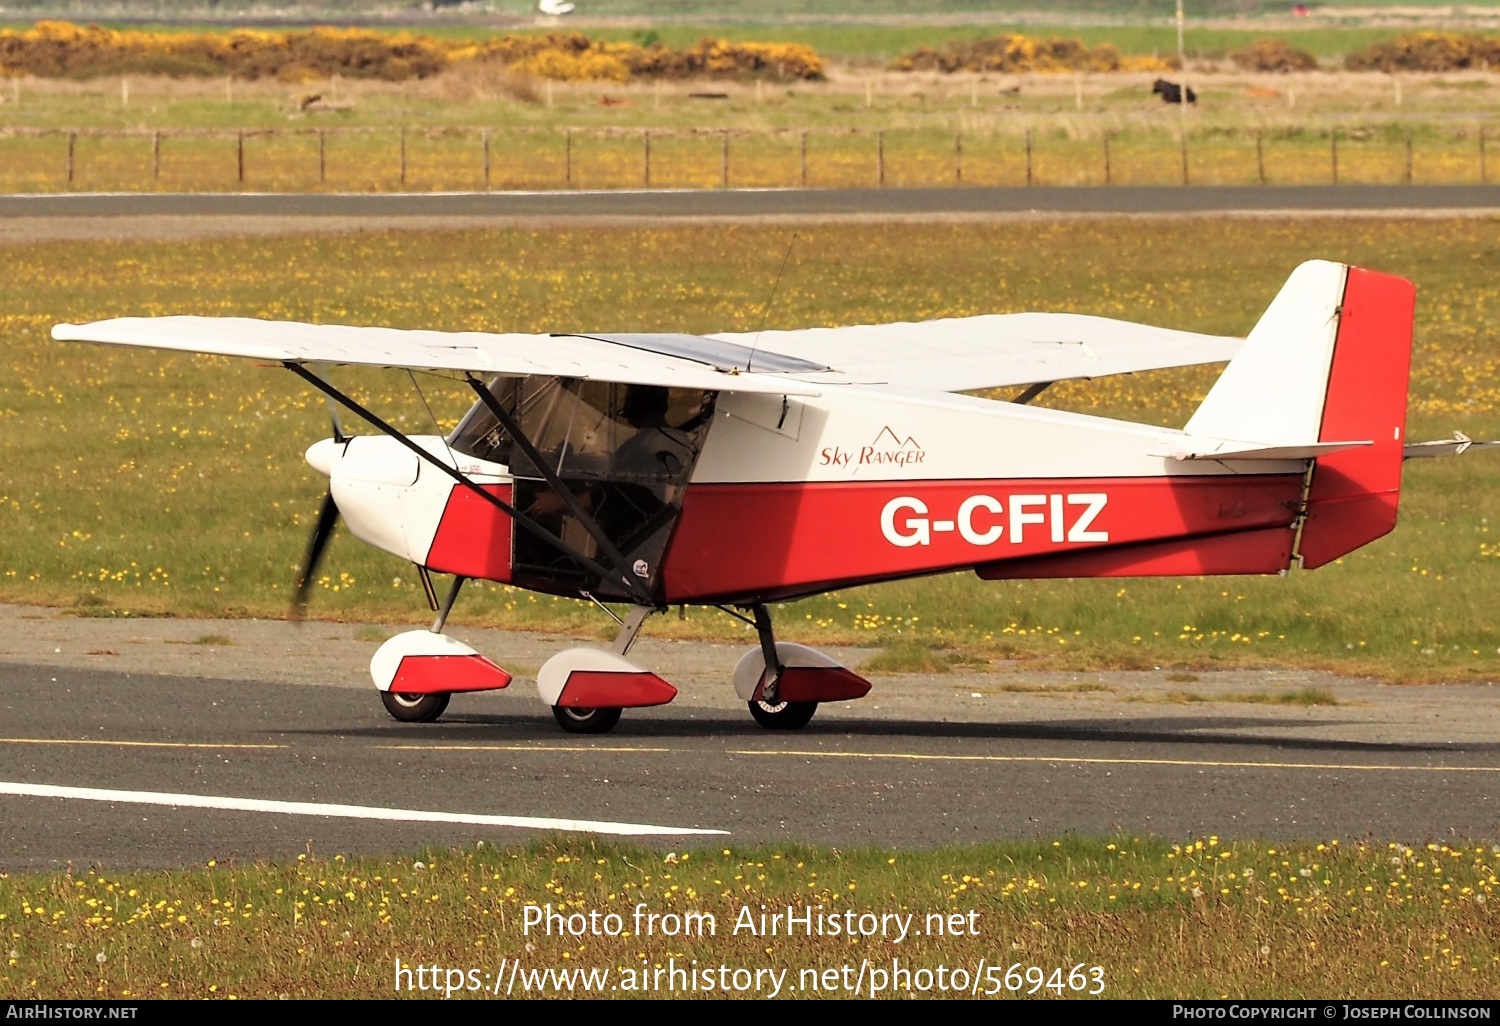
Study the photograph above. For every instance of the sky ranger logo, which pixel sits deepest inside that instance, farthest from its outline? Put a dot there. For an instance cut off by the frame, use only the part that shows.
(982, 519)
(886, 450)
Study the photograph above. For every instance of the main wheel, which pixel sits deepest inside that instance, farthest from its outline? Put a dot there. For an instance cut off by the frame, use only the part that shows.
(585, 721)
(783, 715)
(415, 708)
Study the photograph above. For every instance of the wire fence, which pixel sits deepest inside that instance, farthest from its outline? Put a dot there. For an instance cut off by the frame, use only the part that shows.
(477, 158)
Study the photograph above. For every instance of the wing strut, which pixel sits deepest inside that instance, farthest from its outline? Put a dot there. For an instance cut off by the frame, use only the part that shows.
(558, 488)
(520, 519)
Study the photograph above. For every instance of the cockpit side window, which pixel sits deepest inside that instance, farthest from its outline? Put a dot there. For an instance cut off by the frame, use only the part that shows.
(625, 452)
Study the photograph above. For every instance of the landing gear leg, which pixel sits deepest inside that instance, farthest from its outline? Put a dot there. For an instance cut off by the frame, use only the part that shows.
(768, 708)
(629, 629)
(452, 597)
(424, 708)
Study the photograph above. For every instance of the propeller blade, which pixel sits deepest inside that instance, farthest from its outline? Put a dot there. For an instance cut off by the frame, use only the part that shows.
(328, 516)
(338, 425)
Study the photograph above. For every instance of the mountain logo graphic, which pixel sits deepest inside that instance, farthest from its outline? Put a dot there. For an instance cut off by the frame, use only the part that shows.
(890, 448)
(888, 439)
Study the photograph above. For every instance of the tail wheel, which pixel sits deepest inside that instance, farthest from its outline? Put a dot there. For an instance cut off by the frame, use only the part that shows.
(585, 721)
(415, 708)
(783, 715)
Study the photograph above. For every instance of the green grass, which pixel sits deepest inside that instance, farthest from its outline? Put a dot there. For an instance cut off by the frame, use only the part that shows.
(1202, 919)
(915, 657)
(1299, 696)
(1080, 688)
(139, 483)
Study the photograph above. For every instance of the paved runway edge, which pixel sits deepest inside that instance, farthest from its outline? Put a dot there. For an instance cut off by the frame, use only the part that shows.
(729, 203)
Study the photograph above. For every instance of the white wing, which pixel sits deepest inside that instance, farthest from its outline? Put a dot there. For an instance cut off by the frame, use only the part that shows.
(628, 362)
(962, 354)
(957, 354)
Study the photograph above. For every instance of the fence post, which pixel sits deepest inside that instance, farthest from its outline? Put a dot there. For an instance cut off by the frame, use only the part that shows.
(880, 158)
(724, 165)
(1106, 160)
(1182, 137)
(1408, 156)
(1028, 158)
(1334, 155)
(958, 159)
(72, 143)
(646, 158)
(240, 155)
(804, 160)
(567, 158)
(155, 156)
(1260, 160)
(322, 157)
(403, 156)
(485, 137)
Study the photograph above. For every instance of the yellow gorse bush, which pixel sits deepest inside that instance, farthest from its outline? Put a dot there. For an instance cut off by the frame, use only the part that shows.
(1427, 51)
(1275, 55)
(1016, 54)
(57, 49)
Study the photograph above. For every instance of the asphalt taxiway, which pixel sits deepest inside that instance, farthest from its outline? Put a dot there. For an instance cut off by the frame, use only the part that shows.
(172, 216)
(656, 203)
(134, 743)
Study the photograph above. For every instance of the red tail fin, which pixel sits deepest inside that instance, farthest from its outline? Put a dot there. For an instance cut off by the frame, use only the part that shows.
(1354, 493)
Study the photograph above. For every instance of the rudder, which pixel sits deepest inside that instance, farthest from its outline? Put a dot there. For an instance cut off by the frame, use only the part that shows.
(1354, 493)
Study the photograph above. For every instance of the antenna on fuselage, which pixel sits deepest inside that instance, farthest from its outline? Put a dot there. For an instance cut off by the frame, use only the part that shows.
(766, 312)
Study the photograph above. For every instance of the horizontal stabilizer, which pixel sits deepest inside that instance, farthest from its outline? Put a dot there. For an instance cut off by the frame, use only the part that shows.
(1219, 449)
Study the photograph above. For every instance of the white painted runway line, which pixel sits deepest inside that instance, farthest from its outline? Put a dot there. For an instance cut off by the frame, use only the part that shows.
(199, 801)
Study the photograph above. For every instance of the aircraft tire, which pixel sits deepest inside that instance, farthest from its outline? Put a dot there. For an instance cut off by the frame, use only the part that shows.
(783, 715)
(586, 721)
(415, 708)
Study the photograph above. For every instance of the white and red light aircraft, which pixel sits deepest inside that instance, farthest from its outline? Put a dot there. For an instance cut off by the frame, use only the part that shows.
(736, 470)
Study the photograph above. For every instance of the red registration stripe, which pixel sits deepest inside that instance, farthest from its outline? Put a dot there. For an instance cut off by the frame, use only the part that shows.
(770, 540)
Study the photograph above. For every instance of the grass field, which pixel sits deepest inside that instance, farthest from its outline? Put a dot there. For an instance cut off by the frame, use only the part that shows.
(136, 484)
(152, 134)
(453, 159)
(1203, 919)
